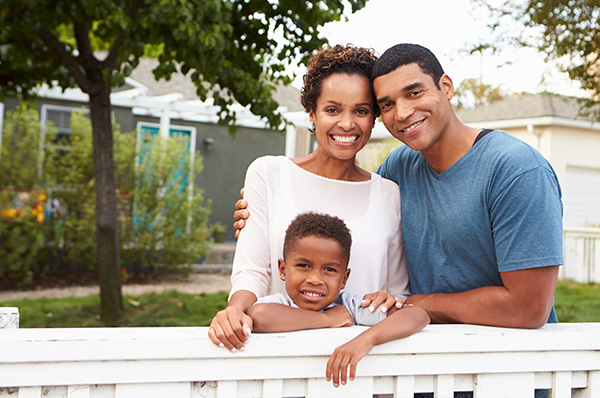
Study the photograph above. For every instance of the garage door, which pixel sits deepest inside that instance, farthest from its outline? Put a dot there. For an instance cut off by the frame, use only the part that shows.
(581, 197)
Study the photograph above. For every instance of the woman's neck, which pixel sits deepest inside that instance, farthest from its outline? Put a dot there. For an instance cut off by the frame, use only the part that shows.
(329, 167)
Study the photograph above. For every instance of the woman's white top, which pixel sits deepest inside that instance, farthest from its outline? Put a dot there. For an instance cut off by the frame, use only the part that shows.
(277, 190)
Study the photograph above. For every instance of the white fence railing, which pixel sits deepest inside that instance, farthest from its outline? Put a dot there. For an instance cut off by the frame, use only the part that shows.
(581, 247)
(183, 363)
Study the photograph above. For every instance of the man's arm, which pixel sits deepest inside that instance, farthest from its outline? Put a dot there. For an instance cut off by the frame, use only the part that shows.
(274, 317)
(525, 301)
(398, 324)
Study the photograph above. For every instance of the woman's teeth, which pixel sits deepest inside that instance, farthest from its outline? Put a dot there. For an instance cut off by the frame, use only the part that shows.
(344, 138)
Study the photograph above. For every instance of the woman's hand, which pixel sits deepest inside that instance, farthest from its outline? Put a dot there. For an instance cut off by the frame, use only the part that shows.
(230, 328)
(383, 298)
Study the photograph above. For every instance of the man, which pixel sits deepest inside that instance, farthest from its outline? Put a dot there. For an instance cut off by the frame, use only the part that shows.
(481, 210)
(482, 218)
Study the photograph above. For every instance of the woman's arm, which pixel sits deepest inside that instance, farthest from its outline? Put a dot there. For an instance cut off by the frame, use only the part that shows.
(273, 317)
(399, 324)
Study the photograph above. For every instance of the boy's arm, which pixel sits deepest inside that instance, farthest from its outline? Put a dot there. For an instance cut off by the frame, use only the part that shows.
(273, 317)
(398, 324)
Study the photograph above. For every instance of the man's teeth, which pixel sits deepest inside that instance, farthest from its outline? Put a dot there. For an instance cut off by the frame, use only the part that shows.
(312, 294)
(344, 138)
(412, 126)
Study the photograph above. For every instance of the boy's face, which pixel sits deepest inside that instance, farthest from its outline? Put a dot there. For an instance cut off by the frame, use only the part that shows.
(314, 272)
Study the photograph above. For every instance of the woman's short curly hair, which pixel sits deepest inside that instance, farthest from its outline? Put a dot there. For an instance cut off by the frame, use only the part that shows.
(337, 59)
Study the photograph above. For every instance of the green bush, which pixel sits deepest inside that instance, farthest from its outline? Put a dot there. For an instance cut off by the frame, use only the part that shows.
(21, 199)
(163, 219)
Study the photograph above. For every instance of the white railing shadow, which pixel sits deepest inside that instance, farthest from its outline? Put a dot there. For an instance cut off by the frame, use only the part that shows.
(182, 362)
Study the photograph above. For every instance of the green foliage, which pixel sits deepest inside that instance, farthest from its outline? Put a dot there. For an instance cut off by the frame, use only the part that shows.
(568, 32)
(472, 92)
(167, 224)
(154, 309)
(21, 233)
(234, 49)
(20, 146)
(163, 221)
(69, 176)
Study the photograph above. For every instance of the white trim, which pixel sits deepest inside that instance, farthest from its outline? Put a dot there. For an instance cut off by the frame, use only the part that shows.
(170, 105)
(535, 121)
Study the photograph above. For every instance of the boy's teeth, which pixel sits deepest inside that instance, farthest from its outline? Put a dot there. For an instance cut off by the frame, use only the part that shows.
(344, 138)
(313, 294)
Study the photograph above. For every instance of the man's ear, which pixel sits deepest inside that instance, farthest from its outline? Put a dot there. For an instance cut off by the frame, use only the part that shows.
(281, 264)
(345, 278)
(447, 86)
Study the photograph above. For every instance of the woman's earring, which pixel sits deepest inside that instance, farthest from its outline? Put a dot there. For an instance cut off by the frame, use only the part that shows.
(312, 129)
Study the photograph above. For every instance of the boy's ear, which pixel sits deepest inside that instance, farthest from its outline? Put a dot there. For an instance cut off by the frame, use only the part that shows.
(281, 269)
(345, 278)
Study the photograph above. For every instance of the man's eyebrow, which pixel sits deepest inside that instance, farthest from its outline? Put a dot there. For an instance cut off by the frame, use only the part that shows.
(382, 99)
(410, 87)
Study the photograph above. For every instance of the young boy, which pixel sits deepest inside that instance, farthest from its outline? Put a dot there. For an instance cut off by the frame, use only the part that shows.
(316, 251)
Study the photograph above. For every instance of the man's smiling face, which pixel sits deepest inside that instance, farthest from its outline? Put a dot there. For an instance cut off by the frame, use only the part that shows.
(413, 108)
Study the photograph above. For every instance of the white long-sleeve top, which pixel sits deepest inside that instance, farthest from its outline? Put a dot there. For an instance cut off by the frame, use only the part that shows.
(277, 190)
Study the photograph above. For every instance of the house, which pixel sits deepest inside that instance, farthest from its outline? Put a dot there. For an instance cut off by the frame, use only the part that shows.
(560, 130)
(149, 106)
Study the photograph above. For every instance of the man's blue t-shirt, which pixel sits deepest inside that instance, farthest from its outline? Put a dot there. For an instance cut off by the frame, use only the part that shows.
(497, 209)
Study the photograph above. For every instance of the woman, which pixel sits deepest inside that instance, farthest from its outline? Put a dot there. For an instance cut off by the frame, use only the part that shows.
(338, 97)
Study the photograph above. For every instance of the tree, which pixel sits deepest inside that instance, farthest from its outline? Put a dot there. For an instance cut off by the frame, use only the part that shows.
(567, 32)
(472, 92)
(235, 50)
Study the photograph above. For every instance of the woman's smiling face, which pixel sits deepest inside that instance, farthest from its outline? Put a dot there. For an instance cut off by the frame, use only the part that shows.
(344, 115)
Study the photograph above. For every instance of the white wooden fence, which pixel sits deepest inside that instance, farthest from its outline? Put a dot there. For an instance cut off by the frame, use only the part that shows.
(183, 363)
(581, 247)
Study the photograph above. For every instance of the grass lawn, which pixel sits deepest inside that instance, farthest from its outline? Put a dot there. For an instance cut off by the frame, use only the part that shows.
(575, 302)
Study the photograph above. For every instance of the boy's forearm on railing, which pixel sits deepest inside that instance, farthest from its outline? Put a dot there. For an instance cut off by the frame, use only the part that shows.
(273, 317)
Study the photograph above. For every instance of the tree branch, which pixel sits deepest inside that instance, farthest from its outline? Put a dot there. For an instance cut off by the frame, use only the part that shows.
(58, 51)
(109, 61)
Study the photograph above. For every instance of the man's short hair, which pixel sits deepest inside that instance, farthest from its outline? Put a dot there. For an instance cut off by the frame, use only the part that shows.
(404, 54)
(320, 225)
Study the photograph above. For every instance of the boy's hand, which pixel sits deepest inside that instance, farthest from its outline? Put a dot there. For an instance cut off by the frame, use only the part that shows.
(374, 300)
(347, 355)
(339, 317)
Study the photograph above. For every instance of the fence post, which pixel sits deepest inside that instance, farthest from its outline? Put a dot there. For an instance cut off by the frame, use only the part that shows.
(9, 318)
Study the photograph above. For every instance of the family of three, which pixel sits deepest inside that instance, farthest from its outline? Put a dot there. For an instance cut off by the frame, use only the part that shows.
(459, 225)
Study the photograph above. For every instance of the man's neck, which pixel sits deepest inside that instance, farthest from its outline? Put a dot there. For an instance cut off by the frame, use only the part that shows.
(456, 141)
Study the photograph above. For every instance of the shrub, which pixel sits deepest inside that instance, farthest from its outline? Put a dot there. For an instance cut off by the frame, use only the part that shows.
(163, 218)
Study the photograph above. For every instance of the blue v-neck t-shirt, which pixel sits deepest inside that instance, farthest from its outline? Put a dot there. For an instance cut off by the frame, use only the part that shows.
(497, 209)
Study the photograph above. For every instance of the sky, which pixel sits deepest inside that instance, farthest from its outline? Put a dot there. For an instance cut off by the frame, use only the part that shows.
(447, 27)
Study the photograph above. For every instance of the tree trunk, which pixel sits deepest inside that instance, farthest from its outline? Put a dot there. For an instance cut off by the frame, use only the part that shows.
(107, 233)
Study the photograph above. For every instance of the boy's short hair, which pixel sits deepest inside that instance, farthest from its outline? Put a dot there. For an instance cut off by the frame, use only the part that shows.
(320, 225)
(404, 54)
